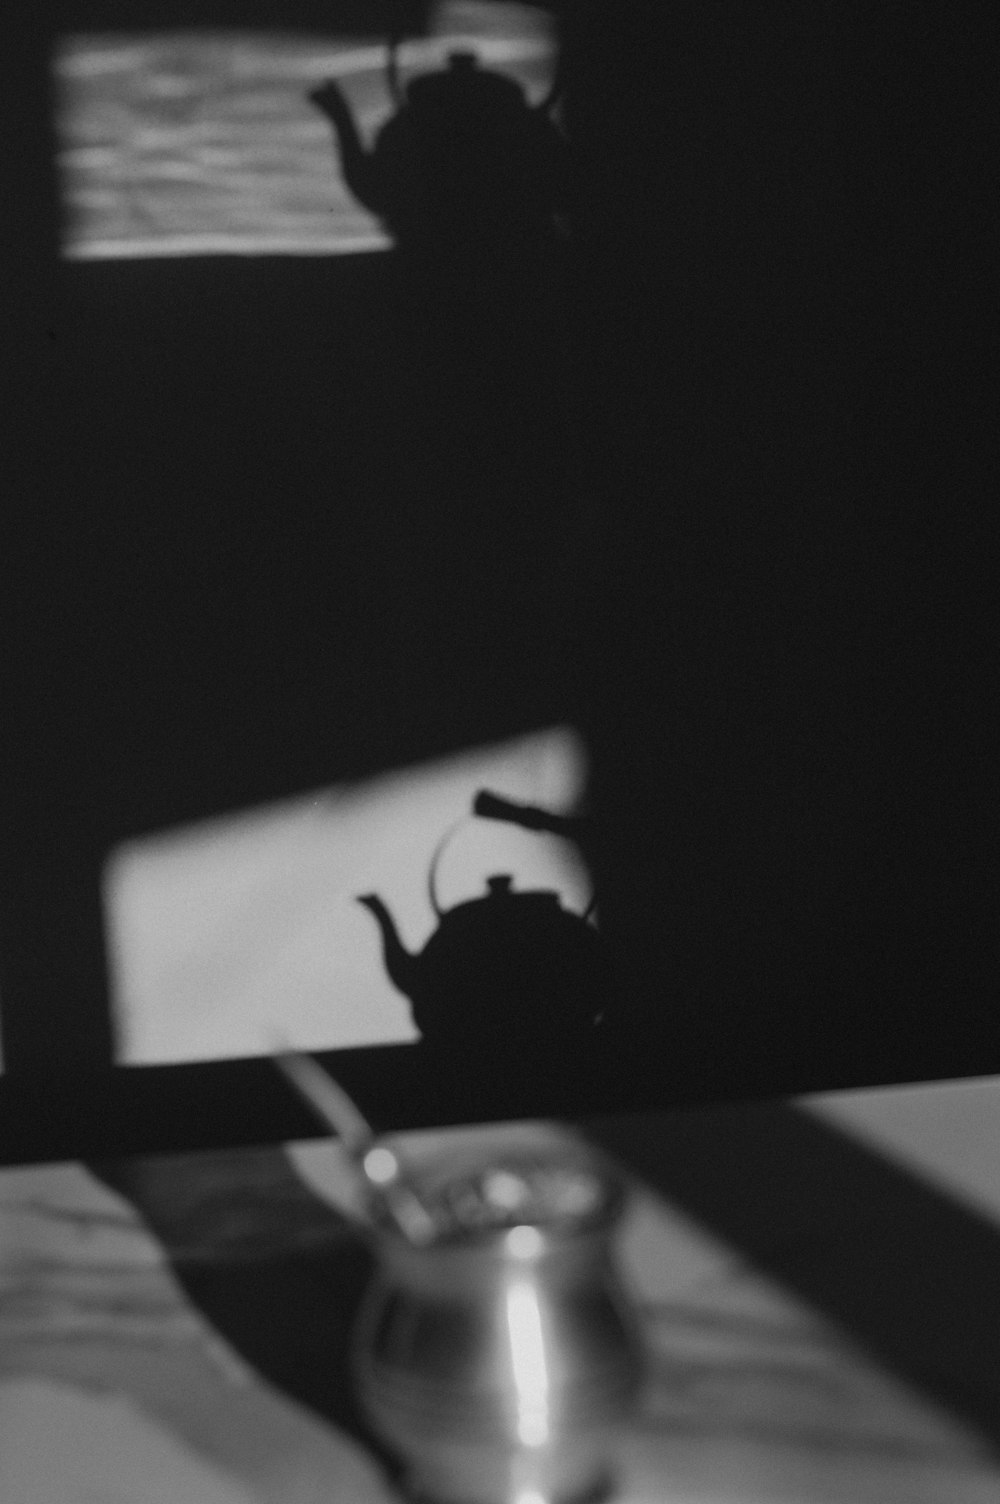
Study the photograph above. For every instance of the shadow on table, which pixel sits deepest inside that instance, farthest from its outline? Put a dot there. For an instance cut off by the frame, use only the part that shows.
(278, 1272)
(907, 1270)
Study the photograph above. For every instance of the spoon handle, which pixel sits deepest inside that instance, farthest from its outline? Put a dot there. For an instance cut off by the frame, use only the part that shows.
(329, 1101)
(378, 1164)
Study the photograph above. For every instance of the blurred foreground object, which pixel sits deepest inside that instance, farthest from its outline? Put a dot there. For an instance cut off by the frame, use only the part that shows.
(499, 1360)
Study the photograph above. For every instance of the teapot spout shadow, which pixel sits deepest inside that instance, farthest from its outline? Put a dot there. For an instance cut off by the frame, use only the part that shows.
(400, 965)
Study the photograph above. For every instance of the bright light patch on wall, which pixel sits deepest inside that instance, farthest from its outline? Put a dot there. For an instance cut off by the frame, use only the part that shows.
(199, 143)
(224, 934)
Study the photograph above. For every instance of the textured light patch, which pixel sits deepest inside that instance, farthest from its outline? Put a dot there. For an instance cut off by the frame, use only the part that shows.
(202, 143)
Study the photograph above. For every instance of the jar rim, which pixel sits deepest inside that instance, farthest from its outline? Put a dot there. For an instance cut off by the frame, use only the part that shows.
(558, 1193)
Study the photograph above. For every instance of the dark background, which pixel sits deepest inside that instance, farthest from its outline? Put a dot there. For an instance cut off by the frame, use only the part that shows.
(723, 498)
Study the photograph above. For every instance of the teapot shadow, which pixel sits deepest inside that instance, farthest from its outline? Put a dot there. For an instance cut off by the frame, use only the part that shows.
(512, 971)
(464, 166)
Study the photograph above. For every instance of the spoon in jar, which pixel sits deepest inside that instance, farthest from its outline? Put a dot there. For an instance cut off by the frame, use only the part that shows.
(386, 1178)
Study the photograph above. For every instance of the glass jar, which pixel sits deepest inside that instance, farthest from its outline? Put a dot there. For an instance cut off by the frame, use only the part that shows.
(499, 1357)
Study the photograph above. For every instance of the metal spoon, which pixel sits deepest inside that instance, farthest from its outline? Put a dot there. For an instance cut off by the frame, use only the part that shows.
(385, 1176)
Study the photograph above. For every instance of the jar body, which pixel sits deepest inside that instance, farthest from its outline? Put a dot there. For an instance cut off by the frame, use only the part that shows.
(499, 1369)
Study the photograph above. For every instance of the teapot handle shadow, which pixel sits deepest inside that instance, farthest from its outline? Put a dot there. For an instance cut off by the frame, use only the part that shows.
(492, 806)
(435, 860)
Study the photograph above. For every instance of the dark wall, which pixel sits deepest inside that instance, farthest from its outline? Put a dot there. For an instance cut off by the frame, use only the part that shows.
(792, 233)
(724, 499)
(294, 510)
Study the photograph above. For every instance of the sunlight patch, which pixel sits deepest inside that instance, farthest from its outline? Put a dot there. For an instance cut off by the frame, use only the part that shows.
(225, 933)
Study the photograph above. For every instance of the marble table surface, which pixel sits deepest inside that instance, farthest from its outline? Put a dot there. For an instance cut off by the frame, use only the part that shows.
(193, 1354)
